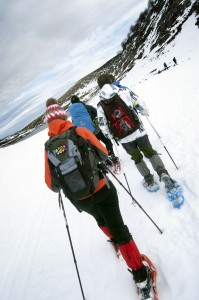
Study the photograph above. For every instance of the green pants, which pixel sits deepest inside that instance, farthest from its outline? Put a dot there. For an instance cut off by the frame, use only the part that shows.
(135, 148)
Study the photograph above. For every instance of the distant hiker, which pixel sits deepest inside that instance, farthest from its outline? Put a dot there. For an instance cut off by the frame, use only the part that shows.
(165, 66)
(102, 203)
(122, 122)
(175, 61)
(84, 115)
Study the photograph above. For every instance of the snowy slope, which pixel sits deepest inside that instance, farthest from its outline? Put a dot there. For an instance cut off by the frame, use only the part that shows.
(35, 255)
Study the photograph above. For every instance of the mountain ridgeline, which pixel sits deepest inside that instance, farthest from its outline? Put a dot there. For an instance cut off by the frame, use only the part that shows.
(157, 26)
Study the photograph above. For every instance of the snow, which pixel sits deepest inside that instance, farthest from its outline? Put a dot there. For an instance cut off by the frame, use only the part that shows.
(36, 261)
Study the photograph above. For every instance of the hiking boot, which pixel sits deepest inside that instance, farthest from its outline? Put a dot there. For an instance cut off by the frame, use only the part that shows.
(145, 287)
(169, 183)
(150, 184)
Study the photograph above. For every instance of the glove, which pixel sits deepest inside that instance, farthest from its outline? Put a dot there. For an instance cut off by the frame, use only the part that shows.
(103, 167)
(95, 122)
(108, 162)
(140, 109)
(144, 112)
(136, 105)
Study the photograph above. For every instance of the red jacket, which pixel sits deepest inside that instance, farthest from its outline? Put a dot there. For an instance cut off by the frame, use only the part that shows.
(57, 126)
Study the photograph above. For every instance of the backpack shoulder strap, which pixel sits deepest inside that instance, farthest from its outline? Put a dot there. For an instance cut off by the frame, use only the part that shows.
(51, 140)
(63, 135)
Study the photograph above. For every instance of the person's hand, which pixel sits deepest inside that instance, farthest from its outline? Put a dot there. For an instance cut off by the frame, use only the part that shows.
(144, 112)
(109, 162)
(140, 109)
(96, 122)
(103, 167)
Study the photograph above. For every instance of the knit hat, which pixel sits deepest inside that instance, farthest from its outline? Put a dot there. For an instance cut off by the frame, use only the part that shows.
(53, 112)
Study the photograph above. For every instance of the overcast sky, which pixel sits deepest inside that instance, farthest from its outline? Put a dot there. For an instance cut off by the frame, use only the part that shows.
(46, 46)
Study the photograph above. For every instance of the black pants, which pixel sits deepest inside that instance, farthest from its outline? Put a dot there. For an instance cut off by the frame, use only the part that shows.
(107, 142)
(104, 207)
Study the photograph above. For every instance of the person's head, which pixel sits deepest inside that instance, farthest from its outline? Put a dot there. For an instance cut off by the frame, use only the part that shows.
(74, 99)
(112, 78)
(54, 111)
(103, 79)
(51, 101)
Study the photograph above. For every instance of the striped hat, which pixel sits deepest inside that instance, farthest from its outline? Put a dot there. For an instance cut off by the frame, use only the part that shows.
(53, 112)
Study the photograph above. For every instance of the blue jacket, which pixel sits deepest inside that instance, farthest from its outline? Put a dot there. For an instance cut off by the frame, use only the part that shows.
(80, 116)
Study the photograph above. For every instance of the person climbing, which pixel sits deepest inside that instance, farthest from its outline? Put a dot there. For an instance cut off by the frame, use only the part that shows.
(84, 115)
(175, 61)
(102, 204)
(134, 138)
(165, 66)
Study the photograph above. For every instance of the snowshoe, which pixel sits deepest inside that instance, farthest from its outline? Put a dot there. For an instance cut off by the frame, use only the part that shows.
(153, 275)
(147, 290)
(173, 190)
(175, 195)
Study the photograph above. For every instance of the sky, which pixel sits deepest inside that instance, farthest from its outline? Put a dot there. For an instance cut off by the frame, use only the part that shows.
(36, 261)
(47, 46)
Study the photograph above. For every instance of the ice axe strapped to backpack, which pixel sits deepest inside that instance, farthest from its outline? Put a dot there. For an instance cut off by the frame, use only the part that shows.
(76, 163)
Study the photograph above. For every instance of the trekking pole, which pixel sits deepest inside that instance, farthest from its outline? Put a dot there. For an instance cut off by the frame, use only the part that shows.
(61, 206)
(129, 188)
(161, 142)
(134, 200)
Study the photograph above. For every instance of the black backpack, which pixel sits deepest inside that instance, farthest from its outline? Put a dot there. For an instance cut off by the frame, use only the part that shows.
(122, 120)
(76, 163)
